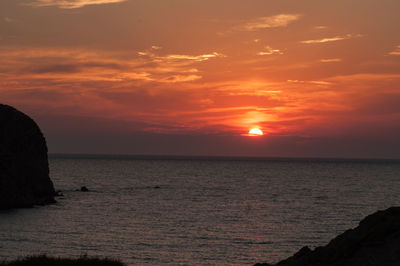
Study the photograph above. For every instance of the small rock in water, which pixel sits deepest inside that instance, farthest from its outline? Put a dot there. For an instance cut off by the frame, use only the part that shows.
(84, 189)
(58, 193)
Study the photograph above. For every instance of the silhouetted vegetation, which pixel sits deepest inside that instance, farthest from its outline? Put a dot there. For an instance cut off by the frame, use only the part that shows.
(44, 260)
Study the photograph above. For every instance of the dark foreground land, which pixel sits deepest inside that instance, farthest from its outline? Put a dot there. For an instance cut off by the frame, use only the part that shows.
(49, 261)
(375, 242)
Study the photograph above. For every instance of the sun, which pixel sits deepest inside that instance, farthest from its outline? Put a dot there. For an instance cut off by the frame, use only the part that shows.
(255, 132)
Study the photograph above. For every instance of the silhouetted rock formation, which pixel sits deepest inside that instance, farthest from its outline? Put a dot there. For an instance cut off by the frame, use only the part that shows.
(24, 169)
(375, 242)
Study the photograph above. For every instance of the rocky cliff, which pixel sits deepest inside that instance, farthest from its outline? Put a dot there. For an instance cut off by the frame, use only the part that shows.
(24, 169)
(375, 242)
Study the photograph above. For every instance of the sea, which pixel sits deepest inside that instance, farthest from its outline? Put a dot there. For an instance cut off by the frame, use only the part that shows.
(197, 210)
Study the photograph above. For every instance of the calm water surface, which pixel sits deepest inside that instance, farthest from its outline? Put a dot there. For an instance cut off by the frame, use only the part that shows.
(198, 211)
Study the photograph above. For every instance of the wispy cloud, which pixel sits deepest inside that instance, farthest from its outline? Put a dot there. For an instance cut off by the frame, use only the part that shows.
(8, 20)
(333, 39)
(396, 51)
(268, 50)
(197, 58)
(80, 65)
(281, 20)
(315, 82)
(175, 67)
(184, 58)
(69, 4)
(367, 78)
(330, 60)
(179, 78)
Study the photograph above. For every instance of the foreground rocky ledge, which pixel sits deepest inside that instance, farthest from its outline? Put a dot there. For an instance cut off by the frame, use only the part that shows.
(375, 242)
(24, 169)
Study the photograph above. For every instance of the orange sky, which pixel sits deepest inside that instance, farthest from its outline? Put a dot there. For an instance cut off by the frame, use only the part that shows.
(320, 78)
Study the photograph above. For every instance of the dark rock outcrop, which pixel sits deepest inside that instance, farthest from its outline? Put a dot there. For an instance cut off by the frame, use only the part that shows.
(24, 169)
(375, 242)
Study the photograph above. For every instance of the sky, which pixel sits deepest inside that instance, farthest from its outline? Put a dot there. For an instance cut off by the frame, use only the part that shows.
(192, 77)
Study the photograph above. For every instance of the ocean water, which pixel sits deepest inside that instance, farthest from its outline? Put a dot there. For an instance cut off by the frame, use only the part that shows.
(198, 211)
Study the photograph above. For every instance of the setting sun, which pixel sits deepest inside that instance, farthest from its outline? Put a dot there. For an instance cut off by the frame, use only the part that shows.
(255, 132)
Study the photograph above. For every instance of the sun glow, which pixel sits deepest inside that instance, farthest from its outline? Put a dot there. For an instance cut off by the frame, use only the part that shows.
(255, 132)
